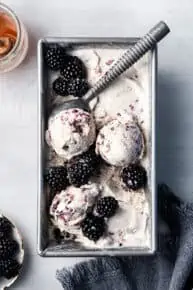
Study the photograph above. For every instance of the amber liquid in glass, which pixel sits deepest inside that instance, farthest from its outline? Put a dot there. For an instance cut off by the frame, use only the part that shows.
(8, 34)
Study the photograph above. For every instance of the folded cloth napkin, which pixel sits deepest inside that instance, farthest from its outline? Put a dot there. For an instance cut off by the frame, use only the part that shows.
(171, 267)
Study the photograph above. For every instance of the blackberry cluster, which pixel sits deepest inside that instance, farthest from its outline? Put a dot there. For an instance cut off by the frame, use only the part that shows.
(60, 87)
(93, 227)
(80, 168)
(73, 68)
(107, 206)
(78, 87)
(5, 228)
(72, 80)
(8, 248)
(9, 268)
(134, 176)
(56, 178)
(55, 58)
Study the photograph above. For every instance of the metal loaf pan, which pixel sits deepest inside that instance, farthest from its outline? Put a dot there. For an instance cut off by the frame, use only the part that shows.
(45, 246)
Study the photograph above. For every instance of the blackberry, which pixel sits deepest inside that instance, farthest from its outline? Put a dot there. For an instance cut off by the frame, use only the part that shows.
(8, 248)
(134, 176)
(73, 68)
(55, 58)
(60, 87)
(107, 206)
(81, 167)
(78, 87)
(5, 228)
(9, 268)
(56, 177)
(93, 227)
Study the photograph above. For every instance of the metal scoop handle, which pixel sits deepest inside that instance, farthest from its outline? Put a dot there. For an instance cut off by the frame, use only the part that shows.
(133, 54)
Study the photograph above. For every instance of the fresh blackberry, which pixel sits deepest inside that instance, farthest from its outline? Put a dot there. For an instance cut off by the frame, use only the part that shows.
(73, 68)
(107, 206)
(9, 268)
(134, 176)
(93, 227)
(56, 177)
(55, 58)
(80, 168)
(8, 248)
(5, 228)
(78, 87)
(60, 87)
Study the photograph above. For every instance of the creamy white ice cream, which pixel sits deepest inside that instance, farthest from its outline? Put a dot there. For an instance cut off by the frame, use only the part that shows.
(69, 207)
(71, 132)
(120, 142)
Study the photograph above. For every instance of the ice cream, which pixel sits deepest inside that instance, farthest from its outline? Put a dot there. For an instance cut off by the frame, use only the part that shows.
(122, 115)
(71, 132)
(120, 142)
(70, 206)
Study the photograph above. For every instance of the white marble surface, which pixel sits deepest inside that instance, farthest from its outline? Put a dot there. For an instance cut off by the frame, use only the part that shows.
(18, 110)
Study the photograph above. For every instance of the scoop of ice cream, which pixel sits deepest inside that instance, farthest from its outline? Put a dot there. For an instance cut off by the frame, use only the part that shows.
(71, 132)
(70, 206)
(120, 142)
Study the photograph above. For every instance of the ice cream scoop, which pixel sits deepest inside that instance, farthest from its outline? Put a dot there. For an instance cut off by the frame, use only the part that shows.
(70, 206)
(131, 56)
(71, 132)
(120, 142)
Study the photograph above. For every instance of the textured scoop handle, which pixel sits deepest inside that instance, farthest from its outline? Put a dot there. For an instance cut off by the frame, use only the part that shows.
(131, 56)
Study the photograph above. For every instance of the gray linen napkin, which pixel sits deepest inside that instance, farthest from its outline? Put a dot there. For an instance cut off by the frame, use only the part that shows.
(171, 268)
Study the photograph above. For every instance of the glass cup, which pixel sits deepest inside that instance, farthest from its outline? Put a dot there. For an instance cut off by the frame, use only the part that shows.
(13, 40)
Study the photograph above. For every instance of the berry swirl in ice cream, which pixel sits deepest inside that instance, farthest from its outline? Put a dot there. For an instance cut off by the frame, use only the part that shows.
(70, 206)
(71, 132)
(120, 142)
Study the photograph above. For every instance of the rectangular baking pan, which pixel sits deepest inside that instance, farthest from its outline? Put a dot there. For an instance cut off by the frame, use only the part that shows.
(45, 247)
